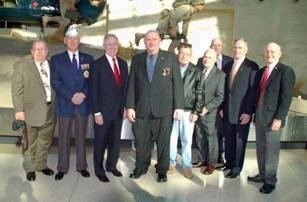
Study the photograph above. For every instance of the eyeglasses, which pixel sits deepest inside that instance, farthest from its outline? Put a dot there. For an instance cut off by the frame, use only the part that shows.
(39, 49)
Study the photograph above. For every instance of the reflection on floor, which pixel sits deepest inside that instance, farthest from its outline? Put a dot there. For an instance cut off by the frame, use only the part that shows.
(291, 187)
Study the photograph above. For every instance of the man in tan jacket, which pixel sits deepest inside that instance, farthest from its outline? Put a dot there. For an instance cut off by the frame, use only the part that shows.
(32, 99)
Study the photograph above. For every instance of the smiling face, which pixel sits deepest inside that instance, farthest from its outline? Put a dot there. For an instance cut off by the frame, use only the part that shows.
(209, 58)
(72, 43)
(184, 55)
(272, 53)
(152, 42)
(110, 45)
(217, 45)
(39, 51)
(239, 49)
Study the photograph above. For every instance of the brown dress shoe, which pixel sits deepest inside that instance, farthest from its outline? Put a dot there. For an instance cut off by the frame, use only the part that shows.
(187, 172)
(209, 170)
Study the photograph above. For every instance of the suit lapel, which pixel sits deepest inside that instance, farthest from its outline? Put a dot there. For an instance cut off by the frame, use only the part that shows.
(210, 75)
(273, 74)
(36, 73)
(159, 65)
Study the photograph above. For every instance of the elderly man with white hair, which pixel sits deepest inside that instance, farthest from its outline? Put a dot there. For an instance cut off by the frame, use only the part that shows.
(274, 82)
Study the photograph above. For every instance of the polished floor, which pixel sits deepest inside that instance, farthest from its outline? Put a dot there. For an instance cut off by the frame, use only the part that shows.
(291, 187)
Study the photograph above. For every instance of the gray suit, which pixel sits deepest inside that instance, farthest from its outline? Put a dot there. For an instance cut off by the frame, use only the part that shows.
(274, 103)
(29, 96)
(154, 102)
(205, 128)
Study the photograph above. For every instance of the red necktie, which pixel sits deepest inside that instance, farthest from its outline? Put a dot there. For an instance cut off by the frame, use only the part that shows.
(116, 72)
(263, 82)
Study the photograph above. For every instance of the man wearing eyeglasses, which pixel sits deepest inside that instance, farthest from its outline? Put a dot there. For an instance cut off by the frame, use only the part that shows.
(33, 103)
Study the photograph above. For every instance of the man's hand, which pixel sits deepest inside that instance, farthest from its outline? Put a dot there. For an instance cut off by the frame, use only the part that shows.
(20, 116)
(78, 98)
(204, 112)
(178, 113)
(99, 119)
(276, 124)
(131, 115)
(193, 117)
(245, 118)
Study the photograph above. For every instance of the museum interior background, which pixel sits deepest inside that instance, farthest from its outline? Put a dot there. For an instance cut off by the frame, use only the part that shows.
(258, 21)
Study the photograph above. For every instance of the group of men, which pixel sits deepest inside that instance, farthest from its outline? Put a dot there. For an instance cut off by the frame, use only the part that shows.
(164, 96)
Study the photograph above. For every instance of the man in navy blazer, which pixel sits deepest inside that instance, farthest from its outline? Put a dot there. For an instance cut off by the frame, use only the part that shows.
(109, 77)
(274, 84)
(69, 78)
(222, 60)
(238, 106)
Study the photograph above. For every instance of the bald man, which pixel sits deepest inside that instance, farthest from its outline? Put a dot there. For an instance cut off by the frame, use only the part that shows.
(275, 84)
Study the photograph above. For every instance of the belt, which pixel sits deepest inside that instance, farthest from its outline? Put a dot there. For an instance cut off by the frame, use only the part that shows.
(48, 103)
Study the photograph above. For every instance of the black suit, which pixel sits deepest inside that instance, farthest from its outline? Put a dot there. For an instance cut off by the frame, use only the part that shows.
(108, 99)
(238, 100)
(154, 102)
(274, 103)
(219, 122)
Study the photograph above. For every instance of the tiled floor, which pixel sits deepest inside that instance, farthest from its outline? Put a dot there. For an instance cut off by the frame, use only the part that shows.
(291, 187)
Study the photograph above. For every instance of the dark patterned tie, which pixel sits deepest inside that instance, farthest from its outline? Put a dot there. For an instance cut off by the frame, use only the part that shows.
(75, 64)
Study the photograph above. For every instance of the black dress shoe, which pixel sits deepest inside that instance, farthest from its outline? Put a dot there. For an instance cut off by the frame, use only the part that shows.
(267, 188)
(232, 175)
(256, 178)
(31, 176)
(136, 174)
(222, 167)
(103, 178)
(162, 178)
(47, 171)
(116, 172)
(220, 160)
(84, 173)
(59, 175)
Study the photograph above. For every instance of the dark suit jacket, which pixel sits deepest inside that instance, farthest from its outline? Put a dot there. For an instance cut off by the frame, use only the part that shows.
(28, 93)
(66, 83)
(160, 96)
(240, 98)
(107, 97)
(277, 95)
(213, 92)
(225, 59)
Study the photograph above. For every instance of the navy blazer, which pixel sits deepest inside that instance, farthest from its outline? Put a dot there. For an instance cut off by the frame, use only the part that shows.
(66, 83)
(240, 98)
(225, 59)
(276, 97)
(107, 97)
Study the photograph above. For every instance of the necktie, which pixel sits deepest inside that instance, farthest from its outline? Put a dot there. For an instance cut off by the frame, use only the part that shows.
(116, 72)
(233, 73)
(45, 79)
(264, 80)
(150, 67)
(74, 64)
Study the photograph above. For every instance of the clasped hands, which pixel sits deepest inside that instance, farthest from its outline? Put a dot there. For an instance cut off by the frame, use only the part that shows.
(78, 98)
(178, 113)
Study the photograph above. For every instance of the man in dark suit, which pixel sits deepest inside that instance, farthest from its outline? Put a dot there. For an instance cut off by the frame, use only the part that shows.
(212, 84)
(221, 61)
(155, 92)
(275, 84)
(109, 77)
(69, 78)
(238, 106)
(32, 98)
